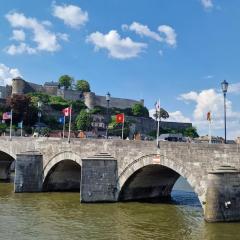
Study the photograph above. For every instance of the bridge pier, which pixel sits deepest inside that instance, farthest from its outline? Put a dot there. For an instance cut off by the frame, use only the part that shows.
(99, 179)
(223, 195)
(28, 172)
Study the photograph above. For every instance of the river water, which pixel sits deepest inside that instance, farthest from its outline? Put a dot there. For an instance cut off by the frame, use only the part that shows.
(61, 216)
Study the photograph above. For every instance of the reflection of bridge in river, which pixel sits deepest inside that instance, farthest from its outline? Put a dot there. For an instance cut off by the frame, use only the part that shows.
(112, 170)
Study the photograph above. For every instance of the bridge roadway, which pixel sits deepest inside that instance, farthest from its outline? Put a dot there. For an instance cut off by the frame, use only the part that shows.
(112, 170)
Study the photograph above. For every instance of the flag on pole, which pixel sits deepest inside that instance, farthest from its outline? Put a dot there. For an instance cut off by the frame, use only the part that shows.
(158, 106)
(67, 111)
(20, 124)
(6, 115)
(61, 120)
(120, 118)
(209, 117)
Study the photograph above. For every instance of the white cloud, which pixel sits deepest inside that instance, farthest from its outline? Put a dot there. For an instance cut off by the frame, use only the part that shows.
(207, 4)
(209, 77)
(45, 39)
(63, 36)
(211, 100)
(234, 88)
(120, 48)
(142, 30)
(18, 35)
(7, 74)
(167, 34)
(170, 34)
(72, 15)
(20, 49)
(177, 116)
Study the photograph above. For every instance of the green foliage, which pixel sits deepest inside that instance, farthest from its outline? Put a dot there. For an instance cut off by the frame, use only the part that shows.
(163, 114)
(28, 130)
(139, 110)
(78, 105)
(39, 97)
(98, 110)
(187, 132)
(83, 85)
(115, 129)
(23, 109)
(51, 121)
(83, 120)
(3, 127)
(45, 132)
(58, 103)
(65, 81)
(190, 132)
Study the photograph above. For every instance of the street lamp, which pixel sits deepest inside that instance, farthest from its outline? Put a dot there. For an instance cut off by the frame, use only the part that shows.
(108, 96)
(224, 85)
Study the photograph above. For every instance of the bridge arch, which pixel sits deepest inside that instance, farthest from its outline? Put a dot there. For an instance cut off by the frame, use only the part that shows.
(153, 166)
(6, 160)
(62, 173)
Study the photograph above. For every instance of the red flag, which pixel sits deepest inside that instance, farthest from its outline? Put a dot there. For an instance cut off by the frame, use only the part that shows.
(209, 118)
(120, 118)
(67, 111)
(6, 115)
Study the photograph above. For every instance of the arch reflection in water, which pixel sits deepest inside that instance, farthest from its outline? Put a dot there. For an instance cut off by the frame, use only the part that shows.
(6, 161)
(63, 176)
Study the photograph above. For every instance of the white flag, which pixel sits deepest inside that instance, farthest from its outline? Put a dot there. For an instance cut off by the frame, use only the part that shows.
(157, 106)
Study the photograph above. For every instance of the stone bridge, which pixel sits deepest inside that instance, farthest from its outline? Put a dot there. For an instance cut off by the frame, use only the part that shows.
(116, 170)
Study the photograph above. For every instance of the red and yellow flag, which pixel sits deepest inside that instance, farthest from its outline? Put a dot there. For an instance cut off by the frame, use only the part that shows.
(209, 117)
(120, 118)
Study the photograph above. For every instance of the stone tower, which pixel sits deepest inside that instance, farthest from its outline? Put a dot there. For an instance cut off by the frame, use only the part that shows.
(89, 99)
(18, 85)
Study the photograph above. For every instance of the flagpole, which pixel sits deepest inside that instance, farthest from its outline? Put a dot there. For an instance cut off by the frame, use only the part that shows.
(123, 125)
(21, 127)
(10, 135)
(158, 112)
(210, 132)
(63, 127)
(69, 127)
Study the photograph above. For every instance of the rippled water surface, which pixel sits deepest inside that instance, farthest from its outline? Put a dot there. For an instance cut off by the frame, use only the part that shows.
(61, 216)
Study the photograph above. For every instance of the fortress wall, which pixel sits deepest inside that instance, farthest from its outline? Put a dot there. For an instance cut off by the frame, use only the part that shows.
(146, 125)
(51, 90)
(115, 102)
(69, 94)
(33, 87)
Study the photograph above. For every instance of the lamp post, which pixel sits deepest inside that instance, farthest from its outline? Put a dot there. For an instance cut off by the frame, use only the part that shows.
(108, 96)
(224, 85)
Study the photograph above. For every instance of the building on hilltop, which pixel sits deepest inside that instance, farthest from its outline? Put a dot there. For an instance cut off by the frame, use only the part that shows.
(91, 100)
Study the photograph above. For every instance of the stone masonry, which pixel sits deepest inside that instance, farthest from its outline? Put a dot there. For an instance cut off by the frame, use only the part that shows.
(131, 162)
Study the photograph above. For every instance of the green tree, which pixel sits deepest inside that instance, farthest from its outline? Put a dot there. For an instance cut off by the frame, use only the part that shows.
(83, 85)
(22, 108)
(163, 114)
(190, 132)
(65, 81)
(139, 110)
(83, 120)
(3, 127)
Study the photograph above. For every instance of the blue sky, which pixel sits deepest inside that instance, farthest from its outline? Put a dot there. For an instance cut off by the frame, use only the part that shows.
(178, 51)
